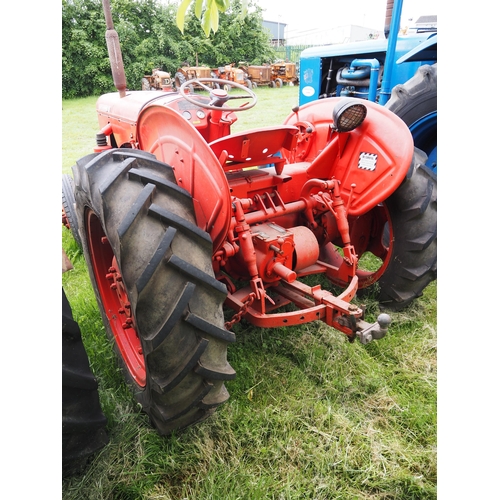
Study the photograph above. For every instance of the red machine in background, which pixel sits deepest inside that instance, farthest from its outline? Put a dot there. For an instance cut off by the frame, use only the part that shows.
(232, 74)
(284, 73)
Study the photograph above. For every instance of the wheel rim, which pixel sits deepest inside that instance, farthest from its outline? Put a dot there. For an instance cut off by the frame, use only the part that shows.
(425, 137)
(114, 298)
(372, 236)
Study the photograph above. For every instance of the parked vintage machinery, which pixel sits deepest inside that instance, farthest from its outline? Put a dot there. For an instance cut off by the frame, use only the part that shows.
(186, 72)
(232, 74)
(258, 75)
(399, 72)
(284, 73)
(179, 218)
(272, 75)
(158, 80)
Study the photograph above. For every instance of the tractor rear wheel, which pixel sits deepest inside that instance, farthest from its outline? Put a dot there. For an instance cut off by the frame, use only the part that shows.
(83, 422)
(179, 79)
(145, 84)
(68, 207)
(151, 269)
(399, 240)
(413, 237)
(415, 102)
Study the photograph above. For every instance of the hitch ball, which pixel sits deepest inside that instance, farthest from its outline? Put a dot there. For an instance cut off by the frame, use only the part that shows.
(384, 320)
(375, 331)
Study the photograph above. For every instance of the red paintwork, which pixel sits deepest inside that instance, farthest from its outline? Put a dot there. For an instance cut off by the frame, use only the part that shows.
(196, 167)
(381, 133)
(114, 298)
(276, 200)
(254, 148)
(124, 113)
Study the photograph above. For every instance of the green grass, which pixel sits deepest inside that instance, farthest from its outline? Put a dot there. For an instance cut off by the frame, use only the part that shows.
(79, 129)
(311, 416)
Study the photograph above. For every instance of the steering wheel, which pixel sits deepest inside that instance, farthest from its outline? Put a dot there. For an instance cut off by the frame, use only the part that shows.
(218, 96)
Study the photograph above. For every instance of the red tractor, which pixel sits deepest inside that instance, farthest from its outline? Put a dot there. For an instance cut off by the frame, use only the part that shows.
(179, 218)
(284, 73)
(230, 73)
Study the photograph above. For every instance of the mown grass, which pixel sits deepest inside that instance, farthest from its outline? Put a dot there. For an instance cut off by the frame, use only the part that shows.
(311, 416)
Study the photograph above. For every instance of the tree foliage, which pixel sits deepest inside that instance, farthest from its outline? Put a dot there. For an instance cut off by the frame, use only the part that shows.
(207, 11)
(239, 38)
(150, 38)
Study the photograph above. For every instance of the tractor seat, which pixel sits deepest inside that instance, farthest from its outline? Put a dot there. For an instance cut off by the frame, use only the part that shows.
(255, 148)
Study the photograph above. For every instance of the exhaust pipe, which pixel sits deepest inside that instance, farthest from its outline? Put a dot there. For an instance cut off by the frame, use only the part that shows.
(388, 17)
(394, 7)
(114, 51)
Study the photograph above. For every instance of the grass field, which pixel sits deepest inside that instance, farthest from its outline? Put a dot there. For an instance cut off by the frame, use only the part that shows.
(310, 416)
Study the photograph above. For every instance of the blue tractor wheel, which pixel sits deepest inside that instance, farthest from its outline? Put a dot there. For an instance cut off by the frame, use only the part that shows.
(415, 102)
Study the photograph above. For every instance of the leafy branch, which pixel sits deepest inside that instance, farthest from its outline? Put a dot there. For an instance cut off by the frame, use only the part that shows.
(207, 11)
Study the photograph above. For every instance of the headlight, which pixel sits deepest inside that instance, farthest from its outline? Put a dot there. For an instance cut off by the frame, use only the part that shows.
(348, 114)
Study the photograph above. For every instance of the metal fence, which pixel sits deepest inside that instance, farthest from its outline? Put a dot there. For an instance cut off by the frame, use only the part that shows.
(290, 53)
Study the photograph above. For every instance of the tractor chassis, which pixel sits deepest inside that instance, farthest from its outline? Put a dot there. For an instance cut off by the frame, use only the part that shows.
(257, 237)
(313, 303)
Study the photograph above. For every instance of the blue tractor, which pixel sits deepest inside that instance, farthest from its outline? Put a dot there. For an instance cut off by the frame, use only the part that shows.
(399, 72)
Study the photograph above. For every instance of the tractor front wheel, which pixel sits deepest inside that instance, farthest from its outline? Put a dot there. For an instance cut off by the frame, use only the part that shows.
(151, 269)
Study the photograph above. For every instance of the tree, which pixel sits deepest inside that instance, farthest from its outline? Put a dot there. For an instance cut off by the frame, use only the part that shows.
(85, 60)
(150, 38)
(85, 67)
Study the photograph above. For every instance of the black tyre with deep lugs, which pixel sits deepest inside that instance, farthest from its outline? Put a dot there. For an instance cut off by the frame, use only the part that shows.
(68, 206)
(417, 97)
(83, 422)
(151, 269)
(413, 214)
(415, 102)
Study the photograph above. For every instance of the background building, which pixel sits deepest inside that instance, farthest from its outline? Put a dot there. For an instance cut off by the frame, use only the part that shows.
(280, 36)
(276, 32)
